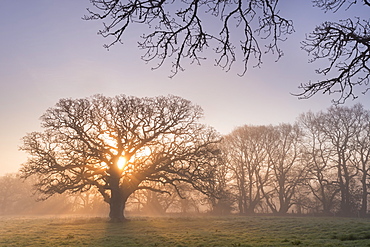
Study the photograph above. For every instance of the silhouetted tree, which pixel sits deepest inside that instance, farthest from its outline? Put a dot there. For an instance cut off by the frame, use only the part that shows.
(247, 157)
(361, 155)
(346, 45)
(287, 171)
(318, 159)
(341, 125)
(182, 30)
(119, 145)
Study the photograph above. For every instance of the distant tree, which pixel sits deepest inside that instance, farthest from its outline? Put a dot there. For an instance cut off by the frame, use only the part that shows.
(188, 201)
(183, 30)
(221, 199)
(247, 157)
(287, 171)
(153, 204)
(18, 198)
(361, 155)
(341, 125)
(88, 202)
(15, 196)
(318, 159)
(119, 145)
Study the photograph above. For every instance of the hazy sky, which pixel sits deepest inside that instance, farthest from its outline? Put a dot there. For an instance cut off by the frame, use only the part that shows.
(48, 52)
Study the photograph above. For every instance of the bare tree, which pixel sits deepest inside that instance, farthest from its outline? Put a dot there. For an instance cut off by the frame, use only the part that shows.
(119, 145)
(88, 202)
(222, 199)
(337, 157)
(15, 196)
(247, 154)
(153, 203)
(361, 155)
(285, 163)
(184, 29)
(346, 45)
(340, 125)
(318, 152)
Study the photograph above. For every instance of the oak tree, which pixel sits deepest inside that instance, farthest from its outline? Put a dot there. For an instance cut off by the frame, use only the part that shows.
(119, 145)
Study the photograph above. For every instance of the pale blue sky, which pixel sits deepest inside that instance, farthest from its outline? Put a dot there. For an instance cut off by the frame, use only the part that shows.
(48, 52)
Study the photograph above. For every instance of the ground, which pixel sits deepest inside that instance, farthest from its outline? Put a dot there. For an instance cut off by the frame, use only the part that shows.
(184, 231)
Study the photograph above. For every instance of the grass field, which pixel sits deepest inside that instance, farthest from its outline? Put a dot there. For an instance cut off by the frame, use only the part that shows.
(185, 231)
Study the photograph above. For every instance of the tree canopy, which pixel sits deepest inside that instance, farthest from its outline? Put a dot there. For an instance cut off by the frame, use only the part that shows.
(244, 31)
(119, 145)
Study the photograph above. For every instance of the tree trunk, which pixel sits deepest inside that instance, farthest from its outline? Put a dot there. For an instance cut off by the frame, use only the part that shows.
(116, 213)
(117, 201)
(363, 209)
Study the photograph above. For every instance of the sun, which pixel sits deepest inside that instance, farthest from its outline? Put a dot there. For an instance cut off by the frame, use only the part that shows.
(121, 163)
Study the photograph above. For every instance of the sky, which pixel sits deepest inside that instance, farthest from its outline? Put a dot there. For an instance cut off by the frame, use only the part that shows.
(47, 52)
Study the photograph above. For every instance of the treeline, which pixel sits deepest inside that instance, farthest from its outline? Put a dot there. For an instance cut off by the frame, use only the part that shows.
(17, 196)
(318, 165)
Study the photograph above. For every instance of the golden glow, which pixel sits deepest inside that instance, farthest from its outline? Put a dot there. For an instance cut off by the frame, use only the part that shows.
(121, 163)
(104, 165)
(145, 152)
(124, 164)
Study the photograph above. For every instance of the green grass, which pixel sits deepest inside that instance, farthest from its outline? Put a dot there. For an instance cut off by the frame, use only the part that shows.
(185, 231)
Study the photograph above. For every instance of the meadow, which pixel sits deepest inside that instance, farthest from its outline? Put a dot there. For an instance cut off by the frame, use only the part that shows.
(184, 231)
